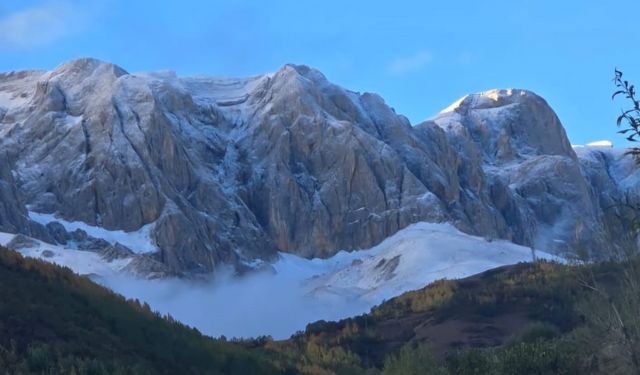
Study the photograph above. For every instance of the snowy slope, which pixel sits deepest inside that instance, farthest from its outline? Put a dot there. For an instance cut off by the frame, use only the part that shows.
(82, 262)
(302, 290)
(619, 167)
(417, 255)
(138, 241)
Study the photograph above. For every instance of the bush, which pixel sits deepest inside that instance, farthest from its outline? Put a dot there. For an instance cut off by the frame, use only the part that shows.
(412, 360)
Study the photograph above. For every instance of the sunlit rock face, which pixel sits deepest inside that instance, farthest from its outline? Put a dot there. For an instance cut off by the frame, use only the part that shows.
(531, 173)
(230, 171)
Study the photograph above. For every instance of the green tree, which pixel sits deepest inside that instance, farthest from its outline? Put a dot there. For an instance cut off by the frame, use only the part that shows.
(612, 305)
(412, 360)
(629, 119)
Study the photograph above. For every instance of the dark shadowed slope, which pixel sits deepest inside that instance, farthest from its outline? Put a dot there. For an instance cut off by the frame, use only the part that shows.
(53, 321)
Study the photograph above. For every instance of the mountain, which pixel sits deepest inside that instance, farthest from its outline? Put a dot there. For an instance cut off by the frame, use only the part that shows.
(549, 196)
(212, 171)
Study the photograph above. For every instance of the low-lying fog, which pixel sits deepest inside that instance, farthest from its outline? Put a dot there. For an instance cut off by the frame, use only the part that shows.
(248, 306)
(300, 291)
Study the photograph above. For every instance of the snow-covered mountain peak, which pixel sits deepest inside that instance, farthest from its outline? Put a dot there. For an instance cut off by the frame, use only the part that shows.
(497, 94)
(298, 80)
(87, 66)
(293, 70)
(508, 124)
(494, 98)
(515, 137)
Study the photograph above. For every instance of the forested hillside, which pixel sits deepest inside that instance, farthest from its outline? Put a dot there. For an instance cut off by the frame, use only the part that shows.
(540, 318)
(55, 322)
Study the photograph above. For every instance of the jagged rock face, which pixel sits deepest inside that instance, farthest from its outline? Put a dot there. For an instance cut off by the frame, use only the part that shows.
(328, 169)
(614, 179)
(232, 170)
(532, 174)
(97, 145)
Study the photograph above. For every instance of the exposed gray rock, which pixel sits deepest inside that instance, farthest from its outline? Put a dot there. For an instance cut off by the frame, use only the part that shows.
(146, 267)
(82, 240)
(58, 232)
(386, 268)
(93, 244)
(614, 179)
(227, 171)
(533, 176)
(116, 251)
(79, 235)
(103, 147)
(21, 241)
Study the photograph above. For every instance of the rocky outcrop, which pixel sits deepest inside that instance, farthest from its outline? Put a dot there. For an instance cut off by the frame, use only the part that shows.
(614, 180)
(116, 251)
(532, 175)
(20, 241)
(227, 171)
(91, 143)
(148, 268)
(329, 169)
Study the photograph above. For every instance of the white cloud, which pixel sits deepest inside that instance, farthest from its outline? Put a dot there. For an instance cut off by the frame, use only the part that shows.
(410, 64)
(40, 25)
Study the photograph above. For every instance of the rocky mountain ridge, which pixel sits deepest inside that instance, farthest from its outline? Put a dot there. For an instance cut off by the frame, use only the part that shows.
(231, 171)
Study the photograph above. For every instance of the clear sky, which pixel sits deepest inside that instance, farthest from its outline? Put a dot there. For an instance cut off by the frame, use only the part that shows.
(419, 55)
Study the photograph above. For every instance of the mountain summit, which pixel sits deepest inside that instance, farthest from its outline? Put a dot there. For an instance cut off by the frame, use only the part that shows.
(217, 171)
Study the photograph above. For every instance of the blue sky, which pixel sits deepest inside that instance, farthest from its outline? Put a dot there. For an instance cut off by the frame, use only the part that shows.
(419, 55)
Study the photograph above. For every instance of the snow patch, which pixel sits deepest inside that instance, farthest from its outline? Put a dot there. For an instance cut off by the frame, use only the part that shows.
(455, 105)
(414, 257)
(5, 238)
(86, 263)
(11, 99)
(138, 241)
(622, 167)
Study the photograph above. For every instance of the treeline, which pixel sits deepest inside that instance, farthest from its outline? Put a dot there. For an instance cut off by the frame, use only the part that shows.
(563, 321)
(562, 326)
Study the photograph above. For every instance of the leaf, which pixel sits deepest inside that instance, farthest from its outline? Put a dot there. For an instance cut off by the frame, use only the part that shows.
(633, 152)
(617, 93)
